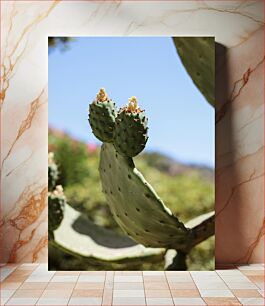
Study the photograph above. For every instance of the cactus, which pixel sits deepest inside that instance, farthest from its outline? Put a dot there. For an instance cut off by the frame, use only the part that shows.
(52, 172)
(102, 115)
(80, 237)
(74, 234)
(198, 56)
(130, 134)
(56, 198)
(133, 202)
(135, 205)
(150, 226)
(56, 205)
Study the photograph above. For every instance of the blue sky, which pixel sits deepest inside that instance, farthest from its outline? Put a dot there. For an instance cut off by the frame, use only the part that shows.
(181, 122)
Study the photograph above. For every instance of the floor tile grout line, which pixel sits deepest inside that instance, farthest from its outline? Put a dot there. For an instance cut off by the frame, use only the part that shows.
(169, 289)
(102, 296)
(112, 289)
(226, 286)
(242, 274)
(76, 282)
(68, 300)
(231, 289)
(73, 288)
(145, 298)
(210, 289)
(239, 282)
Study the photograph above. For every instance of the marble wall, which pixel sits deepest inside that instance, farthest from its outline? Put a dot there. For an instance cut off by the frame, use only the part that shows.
(237, 25)
(240, 152)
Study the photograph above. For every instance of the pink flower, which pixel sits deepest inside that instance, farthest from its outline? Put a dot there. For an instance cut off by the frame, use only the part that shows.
(91, 147)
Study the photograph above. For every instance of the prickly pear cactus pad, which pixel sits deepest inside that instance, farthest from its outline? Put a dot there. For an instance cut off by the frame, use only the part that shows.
(100, 245)
(56, 205)
(198, 57)
(135, 205)
(130, 134)
(52, 172)
(102, 115)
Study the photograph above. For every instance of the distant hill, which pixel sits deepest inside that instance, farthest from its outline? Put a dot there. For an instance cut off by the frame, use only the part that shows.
(171, 167)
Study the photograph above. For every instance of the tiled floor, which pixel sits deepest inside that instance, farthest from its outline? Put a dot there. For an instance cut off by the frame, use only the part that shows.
(33, 284)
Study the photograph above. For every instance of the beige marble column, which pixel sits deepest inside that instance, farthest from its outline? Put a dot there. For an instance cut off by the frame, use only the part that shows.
(240, 152)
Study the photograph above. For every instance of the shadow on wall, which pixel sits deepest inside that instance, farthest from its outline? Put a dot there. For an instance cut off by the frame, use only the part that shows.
(225, 148)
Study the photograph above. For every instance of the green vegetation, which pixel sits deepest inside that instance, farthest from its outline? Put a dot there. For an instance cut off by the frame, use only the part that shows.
(191, 187)
(62, 43)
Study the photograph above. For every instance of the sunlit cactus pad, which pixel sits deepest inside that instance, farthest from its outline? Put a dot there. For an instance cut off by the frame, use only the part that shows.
(135, 205)
(198, 57)
(81, 237)
(102, 115)
(130, 134)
